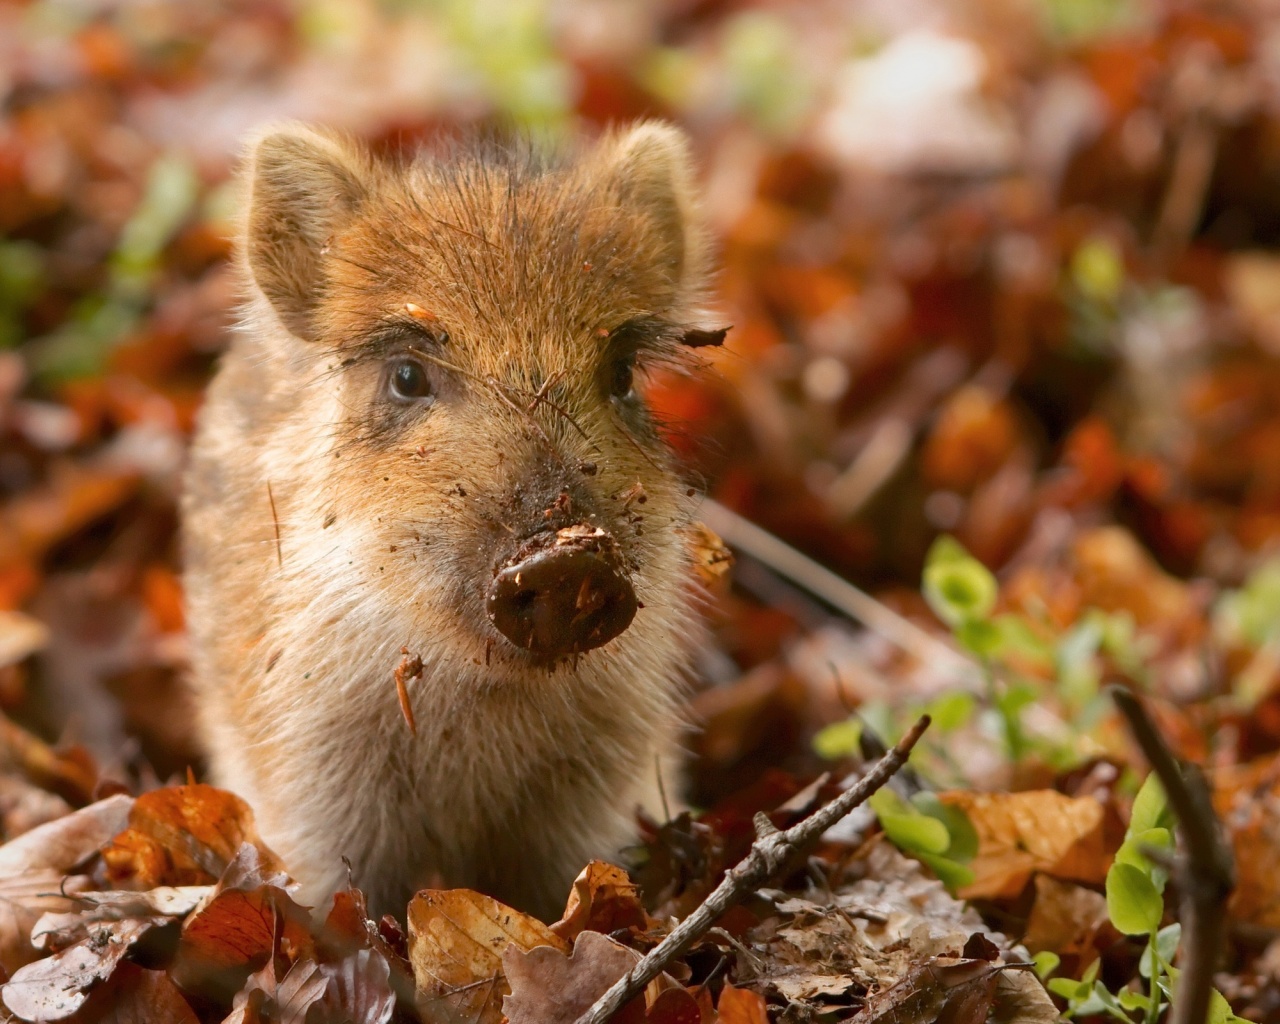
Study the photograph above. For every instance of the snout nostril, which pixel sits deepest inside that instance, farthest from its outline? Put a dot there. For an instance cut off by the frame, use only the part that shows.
(562, 593)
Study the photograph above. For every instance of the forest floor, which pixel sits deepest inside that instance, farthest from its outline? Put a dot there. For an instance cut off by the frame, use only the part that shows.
(1004, 282)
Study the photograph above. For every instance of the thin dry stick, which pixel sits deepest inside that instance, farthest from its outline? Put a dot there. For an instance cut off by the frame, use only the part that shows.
(769, 854)
(275, 520)
(1205, 876)
(807, 574)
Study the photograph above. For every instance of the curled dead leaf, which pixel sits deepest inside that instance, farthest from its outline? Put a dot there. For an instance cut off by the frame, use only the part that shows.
(183, 835)
(603, 899)
(456, 943)
(711, 556)
(247, 916)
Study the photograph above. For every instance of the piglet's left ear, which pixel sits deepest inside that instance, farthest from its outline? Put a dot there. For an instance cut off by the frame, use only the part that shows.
(651, 174)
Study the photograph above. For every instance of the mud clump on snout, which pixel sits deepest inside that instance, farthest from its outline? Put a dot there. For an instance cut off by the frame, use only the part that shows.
(562, 593)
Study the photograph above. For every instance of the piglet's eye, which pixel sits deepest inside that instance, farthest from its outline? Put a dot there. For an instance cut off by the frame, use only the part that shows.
(408, 380)
(622, 381)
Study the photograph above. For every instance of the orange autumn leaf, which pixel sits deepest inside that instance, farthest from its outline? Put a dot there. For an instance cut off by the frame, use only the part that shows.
(182, 835)
(1020, 834)
(603, 899)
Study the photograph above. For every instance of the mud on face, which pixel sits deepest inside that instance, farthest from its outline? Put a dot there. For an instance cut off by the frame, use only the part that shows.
(484, 322)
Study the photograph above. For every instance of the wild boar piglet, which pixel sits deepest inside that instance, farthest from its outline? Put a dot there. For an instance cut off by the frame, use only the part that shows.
(425, 443)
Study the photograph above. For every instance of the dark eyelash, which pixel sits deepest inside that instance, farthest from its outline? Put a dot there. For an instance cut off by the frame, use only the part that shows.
(643, 335)
(398, 333)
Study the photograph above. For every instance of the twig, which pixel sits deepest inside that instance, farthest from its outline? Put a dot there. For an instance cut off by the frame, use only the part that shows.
(1205, 876)
(842, 595)
(275, 521)
(769, 854)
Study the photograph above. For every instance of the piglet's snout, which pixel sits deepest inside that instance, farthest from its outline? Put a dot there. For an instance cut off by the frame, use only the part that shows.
(562, 593)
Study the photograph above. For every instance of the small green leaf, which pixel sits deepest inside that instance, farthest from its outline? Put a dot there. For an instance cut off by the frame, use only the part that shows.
(951, 710)
(838, 740)
(1150, 807)
(907, 827)
(1133, 1000)
(957, 586)
(1068, 988)
(1097, 270)
(1134, 904)
(980, 636)
(952, 874)
(1166, 945)
(1219, 1009)
(1046, 962)
(964, 837)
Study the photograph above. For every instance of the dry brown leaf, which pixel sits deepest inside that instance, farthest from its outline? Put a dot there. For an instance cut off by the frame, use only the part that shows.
(673, 1006)
(548, 987)
(359, 991)
(287, 1000)
(70, 773)
(1116, 573)
(1247, 799)
(243, 922)
(1065, 918)
(711, 556)
(23, 900)
(456, 941)
(136, 996)
(183, 835)
(603, 899)
(56, 987)
(741, 1006)
(945, 990)
(34, 872)
(56, 931)
(61, 845)
(1037, 830)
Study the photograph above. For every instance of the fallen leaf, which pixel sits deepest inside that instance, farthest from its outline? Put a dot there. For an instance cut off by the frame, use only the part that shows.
(456, 941)
(1036, 830)
(56, 987)
(35, 867)
(741, 1006)
(673, 1006)
(1065, 919)
(133, 995)
(1247, 799)
(603, 899)
(58, 930)
(289, 999)
(24, 899)
(359, 991)
(945, 990)
(183, 835)
(61, 845)
(238, 928)
(548, 987)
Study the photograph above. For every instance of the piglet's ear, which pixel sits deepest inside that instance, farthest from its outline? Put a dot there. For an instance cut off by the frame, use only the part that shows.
(652, 177)
(303, 186)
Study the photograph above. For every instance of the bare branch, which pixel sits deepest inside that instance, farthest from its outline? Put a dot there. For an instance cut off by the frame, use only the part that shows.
(1205, 876)
(769, 854)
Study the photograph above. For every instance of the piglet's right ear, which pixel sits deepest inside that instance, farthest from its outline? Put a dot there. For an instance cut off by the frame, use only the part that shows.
(303, 186)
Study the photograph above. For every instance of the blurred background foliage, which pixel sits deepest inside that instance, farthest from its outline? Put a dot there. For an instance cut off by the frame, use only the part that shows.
(1005, 271)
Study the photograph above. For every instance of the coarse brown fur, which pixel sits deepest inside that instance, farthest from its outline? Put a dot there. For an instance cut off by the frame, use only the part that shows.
(328, 526)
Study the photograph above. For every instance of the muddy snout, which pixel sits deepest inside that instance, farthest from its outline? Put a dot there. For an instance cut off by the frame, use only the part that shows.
(562, 593)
